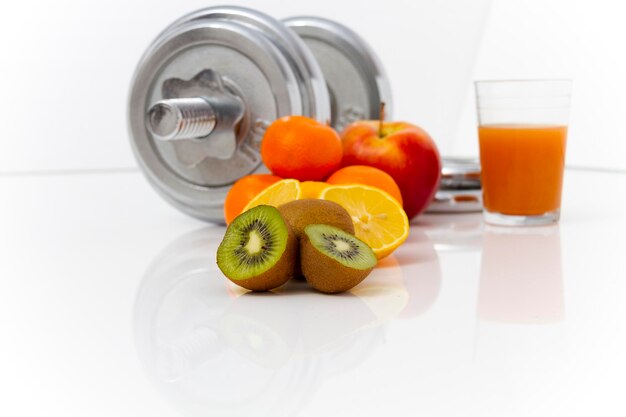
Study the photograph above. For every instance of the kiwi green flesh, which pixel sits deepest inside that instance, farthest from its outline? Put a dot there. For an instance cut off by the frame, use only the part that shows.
(343, 247)
(254, 242)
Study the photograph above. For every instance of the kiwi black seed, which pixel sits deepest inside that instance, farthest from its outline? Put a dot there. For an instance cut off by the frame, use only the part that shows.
(332, 260)
(259, 250)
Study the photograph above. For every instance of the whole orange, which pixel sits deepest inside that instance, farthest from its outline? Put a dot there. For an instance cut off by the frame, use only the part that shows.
(243, 191)
(366, 175)
(301, 148)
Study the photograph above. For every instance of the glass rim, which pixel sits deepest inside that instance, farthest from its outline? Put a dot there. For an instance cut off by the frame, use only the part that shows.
(524, 80)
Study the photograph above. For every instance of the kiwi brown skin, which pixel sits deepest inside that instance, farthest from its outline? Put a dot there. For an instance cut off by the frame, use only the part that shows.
(324, 273)
(282, 271)
(301, 213)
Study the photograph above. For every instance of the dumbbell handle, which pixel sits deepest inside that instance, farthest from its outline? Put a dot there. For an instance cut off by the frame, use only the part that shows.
(212, 116)
(181, 118)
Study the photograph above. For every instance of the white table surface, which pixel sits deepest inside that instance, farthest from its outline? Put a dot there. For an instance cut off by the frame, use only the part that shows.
(111, 305)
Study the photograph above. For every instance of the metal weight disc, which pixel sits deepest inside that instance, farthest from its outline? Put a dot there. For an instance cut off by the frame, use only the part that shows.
(460, 187)
(355, 77)
(315, 99)
(247, 65)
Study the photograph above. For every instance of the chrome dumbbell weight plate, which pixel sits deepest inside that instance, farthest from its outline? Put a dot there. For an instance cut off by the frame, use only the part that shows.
(311, 84)
(242, 75)
(206, 89)
(355, 77)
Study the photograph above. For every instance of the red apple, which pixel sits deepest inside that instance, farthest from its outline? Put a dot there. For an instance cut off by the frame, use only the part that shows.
(404, 151)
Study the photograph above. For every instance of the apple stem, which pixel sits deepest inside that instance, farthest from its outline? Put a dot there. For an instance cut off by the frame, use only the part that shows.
(381, 119)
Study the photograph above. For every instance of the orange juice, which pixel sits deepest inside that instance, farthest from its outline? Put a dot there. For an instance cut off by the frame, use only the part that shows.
(522, 168)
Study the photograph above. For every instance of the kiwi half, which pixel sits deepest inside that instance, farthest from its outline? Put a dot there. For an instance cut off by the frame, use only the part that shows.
(332, 260)
(259, 250)
(301, 213)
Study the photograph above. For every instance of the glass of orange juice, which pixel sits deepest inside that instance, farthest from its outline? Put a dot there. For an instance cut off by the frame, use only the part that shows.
(522, 133)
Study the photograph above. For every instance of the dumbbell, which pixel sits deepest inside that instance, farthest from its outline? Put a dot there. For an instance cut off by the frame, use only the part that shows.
(210, 84)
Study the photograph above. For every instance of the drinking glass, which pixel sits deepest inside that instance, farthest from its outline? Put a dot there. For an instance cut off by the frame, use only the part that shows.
(522, 131)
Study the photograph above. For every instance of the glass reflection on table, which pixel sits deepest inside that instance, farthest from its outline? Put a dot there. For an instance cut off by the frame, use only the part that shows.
(521, 278)
(520, 328)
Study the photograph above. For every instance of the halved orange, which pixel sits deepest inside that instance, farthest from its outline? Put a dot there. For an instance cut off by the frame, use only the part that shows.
(379, 219)
(280, 192)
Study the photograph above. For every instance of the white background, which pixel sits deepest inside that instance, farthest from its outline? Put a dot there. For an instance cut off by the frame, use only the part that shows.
(66, 68)
(102, 283)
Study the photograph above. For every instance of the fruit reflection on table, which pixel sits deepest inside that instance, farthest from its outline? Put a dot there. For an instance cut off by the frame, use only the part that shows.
(196, 332)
